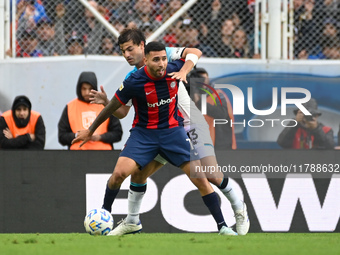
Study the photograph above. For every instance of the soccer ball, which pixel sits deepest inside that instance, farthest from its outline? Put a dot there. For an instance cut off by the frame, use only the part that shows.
(98, 222)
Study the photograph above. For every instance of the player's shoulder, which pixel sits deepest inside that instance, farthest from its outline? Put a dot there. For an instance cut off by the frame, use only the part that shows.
(136, 76)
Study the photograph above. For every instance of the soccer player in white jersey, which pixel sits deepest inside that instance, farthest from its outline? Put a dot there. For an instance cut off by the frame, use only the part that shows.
(132, 42)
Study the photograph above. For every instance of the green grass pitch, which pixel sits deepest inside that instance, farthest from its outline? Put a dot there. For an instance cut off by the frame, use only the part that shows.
(174, 244)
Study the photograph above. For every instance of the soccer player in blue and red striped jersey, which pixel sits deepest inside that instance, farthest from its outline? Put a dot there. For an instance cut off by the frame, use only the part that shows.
(157, 122)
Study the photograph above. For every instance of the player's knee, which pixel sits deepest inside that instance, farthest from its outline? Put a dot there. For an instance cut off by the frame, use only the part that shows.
(117, 178)
(215, 181)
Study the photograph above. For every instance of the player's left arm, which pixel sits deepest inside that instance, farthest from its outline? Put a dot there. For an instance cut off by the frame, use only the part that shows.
(191, 56)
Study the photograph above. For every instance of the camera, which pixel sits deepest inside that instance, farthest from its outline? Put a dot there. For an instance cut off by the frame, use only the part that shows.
(310, 117)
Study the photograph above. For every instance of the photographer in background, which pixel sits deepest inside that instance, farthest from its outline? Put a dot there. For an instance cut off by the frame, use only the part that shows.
(308, 133)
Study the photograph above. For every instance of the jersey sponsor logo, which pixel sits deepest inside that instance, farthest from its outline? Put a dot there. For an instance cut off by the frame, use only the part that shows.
(121, 87)
(162, 102)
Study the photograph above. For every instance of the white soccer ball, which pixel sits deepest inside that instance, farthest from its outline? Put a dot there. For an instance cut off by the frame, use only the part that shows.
(98, 222)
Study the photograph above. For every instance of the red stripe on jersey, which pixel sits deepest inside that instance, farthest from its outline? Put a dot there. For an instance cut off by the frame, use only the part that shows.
(119, 99)
(152, 99)
(135, 105)
(173, 89)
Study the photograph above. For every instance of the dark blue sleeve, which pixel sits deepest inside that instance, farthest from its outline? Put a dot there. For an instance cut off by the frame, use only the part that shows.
(175, 66)
(125, 92)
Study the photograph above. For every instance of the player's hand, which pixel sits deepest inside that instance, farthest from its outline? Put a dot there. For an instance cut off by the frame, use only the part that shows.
(97, 97)
(311, 124)
(82, 135)
(7, 133)
(182, 76)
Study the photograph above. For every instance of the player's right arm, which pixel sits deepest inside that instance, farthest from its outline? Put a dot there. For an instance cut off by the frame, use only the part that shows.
(191, 56)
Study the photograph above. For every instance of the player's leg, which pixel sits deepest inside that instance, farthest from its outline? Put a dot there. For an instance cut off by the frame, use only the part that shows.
(129, 161)
(178, 154)
(223, 183)
(217, 178)
(209, 196)
(132, 224)
(138, 187)
(124, 167)
(206, 152)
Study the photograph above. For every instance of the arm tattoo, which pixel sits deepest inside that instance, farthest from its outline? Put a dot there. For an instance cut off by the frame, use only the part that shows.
(113, 105)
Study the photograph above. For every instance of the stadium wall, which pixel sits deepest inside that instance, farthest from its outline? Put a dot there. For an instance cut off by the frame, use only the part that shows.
(51, 191)
(50, 83)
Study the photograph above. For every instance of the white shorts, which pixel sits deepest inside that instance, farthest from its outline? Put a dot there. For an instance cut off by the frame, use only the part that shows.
(201, 141)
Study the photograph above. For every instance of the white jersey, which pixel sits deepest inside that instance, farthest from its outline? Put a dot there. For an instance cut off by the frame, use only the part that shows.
(191, 114)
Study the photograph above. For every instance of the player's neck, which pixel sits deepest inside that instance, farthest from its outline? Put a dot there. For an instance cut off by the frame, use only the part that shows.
(140, 64)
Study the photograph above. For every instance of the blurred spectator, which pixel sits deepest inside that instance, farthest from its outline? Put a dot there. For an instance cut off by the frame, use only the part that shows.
(223, 44)
(51, 38)
(147, 29)
(169, 9)
(34, 10)
(189, 38)
(308, 28)
(119, 9)
(298, 10)
(90, 30)
(75, 46)
(239, 45)
(118, 24)
(28, 43)
(79, 114)
(173, 31)
(109, 46)
(331, 49)
(144, 13)
(330, 29)
(309, 133)
(21, 127)
(329, 9)
(223, 136)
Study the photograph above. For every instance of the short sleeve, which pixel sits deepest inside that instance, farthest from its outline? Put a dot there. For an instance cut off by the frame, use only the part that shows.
(124, 93)
(174, 53)
(175, 66)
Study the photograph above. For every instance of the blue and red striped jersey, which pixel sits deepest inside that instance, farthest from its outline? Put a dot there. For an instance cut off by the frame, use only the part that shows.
(154, 100)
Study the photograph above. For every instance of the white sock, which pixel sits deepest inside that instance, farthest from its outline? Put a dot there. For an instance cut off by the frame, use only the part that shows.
(235, 201)
(134, 203)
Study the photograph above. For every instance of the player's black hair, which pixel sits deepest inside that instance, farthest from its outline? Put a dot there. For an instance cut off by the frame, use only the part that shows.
(134, 34)
(153, 46)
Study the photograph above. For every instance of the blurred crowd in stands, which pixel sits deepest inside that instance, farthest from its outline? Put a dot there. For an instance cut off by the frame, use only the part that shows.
(219, 28)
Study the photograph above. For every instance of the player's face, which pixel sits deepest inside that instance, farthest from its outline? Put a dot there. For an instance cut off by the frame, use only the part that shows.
(85, 91)
(22, 112)
(133, 53)
(156, 63)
